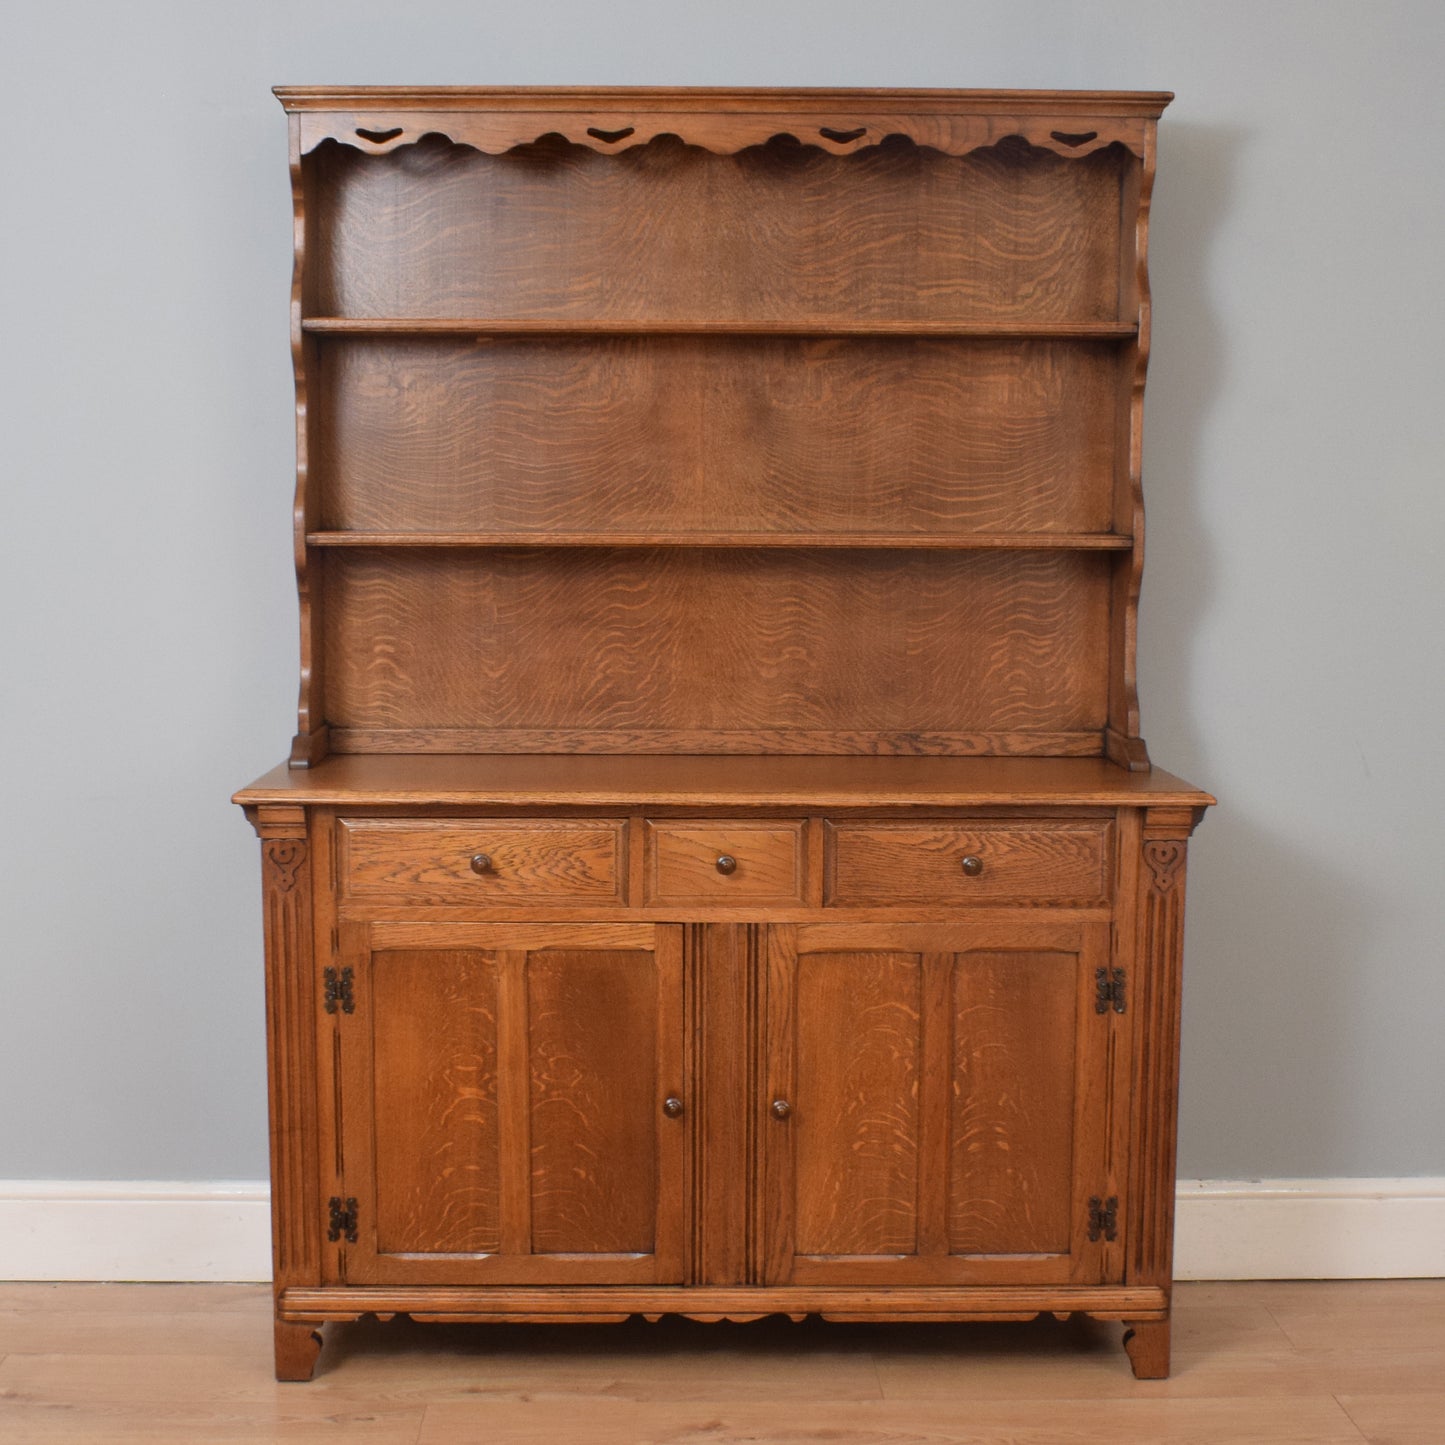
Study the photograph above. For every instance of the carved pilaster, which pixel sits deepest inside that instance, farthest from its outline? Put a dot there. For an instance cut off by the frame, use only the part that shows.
(1161, 942)
(290, 1042)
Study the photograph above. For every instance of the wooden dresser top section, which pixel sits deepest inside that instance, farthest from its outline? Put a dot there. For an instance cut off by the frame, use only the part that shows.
(699, 422)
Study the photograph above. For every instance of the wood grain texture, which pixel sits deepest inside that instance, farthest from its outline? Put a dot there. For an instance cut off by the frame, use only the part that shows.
(935, 541)
(310, 742)
(291, 1068)
(733, 641)
(1012, 1156)
(776, 232)
(721, 1019)
(527, 861)
(1125, 744)
(379, 120)
(729, 783)
(855, 1113)
(802, 427)
(596, 1101)
(1044, 862)
(1160, 950)
(435, 1066)
(913, 438)
(682, 862)
(943, 1083)
(478, 328)
(504, 1090)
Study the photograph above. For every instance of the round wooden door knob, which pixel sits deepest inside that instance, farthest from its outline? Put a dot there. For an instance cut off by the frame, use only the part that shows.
(726, 863)
(781, 1108)
(972, 866)
(481, 862)
(672, 1107)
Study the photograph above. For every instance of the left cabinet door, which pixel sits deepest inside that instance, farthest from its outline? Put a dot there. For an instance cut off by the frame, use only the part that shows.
(512, 1107)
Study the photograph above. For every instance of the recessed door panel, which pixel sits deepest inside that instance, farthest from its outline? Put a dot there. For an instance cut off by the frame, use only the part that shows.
(504, 1103)
(936, 1104)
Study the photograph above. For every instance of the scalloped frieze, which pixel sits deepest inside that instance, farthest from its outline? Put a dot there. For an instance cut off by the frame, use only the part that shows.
(607, 132)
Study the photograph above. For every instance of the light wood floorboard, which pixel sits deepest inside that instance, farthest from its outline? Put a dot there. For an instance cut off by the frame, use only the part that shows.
(1348, 1361)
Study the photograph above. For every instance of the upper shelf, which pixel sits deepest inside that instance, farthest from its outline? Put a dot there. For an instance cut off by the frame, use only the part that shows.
(901, 541)
(541, 326)
(493, 120)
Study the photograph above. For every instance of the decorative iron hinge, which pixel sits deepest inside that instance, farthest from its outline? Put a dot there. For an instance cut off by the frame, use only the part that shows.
(1103, 1219)
(342, 1221)
(338, 990)
(1109, 990)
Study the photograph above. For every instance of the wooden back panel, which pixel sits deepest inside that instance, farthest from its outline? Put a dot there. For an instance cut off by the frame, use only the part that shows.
(790, 445)
(780, 231)
(682, 650)
(692, 434)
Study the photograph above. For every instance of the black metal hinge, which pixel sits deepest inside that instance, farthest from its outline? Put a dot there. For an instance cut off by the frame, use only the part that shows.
(1109, 990)
(1103, 1218)
(338, 990)
(342, 1221)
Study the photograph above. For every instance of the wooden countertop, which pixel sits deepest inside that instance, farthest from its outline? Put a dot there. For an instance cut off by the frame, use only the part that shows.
(712, 781)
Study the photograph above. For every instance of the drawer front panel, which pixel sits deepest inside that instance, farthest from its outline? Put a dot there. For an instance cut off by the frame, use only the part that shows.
(942, 863)
(483, 862)
(724, 862)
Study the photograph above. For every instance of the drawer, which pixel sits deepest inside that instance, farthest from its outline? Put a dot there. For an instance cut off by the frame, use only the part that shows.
(482, 861)
(987, 861)
(724, 862)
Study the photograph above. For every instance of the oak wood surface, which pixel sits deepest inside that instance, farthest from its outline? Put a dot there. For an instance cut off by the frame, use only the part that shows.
(937, 541)
(488, 326)
(503, 1104)
(932, 863)
(675, 434)
(589, 643)
(482, 861)
(718, 517)
(983, 1046)
(1014, 225)
(724, 860)
(778, 232)
(722, 782)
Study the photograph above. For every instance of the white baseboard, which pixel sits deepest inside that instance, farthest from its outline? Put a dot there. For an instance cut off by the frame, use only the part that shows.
(134, 1230)
(1226, 1229)
(1309, 1229)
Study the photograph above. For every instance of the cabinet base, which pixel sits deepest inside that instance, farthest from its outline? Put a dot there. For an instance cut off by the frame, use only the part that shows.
(301, 1310)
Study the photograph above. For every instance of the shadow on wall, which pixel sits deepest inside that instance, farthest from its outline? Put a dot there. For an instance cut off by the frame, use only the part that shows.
(1266, 1089)
(1263, 1093)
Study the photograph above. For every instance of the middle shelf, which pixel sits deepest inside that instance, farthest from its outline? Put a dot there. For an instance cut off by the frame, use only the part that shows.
(821, 328)
(977, 541)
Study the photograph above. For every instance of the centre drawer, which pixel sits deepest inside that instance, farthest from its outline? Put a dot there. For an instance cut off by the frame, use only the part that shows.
(482, 861)
(722, 861)
(1042, 861)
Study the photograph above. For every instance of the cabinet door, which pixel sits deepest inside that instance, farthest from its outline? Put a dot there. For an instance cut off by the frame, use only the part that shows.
(943, 1105)
(509, 1103)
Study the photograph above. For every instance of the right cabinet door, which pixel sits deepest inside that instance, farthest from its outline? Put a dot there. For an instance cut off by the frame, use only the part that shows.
(943, 1104)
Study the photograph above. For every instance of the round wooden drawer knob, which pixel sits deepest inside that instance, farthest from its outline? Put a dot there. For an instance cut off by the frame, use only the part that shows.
(972, 866)
(481, 862)
(781, 1108)
(672, 1108)
(726, 863)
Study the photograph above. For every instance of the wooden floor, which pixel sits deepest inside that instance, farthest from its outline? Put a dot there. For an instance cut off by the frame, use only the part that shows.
(1275, 1363)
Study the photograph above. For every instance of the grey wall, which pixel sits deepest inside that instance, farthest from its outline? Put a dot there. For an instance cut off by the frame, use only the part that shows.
(1291, 655)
